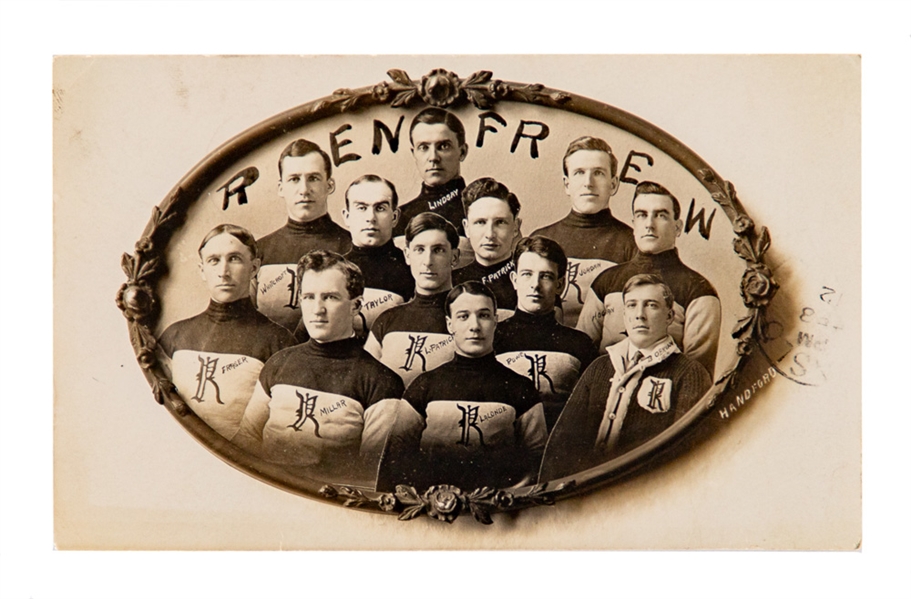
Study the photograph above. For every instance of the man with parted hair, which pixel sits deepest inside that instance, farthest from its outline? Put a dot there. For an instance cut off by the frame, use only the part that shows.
(637, 391)
(473, 422)
(591, 236)
(492, 224)
(215, 357)
(532, 343)
(322, 406)
(305, 183)
(697, 313)
(412, 338)
(438, 147)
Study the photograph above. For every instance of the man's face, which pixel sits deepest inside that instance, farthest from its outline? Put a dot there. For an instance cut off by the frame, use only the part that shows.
(431, 259)
(437, 153)
(654, 225)
(326, 310)
(305, 187)
(646, 315)
(227, 266)
(370, 216)
(472, 324)
(589, 183)
(537, 283)
(492, 230)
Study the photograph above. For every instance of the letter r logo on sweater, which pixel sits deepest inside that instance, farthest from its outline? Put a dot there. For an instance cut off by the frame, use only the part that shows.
(655, 395)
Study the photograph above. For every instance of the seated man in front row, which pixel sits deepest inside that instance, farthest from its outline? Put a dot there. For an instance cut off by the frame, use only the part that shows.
(474, 422)
(639, 389)
(492, 225)
(412, 338)
(532, 342)
(697, 315)
(319, 406)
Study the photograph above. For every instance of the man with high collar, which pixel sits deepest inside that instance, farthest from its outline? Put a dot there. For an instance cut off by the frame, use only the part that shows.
(697, 314)
(474, 423)
(438, 147)
(371, 211)
(638, 390)
(532, 343)
(412, 338)
(216, 357)
(320, 406)
(492, 224)
(590, 235)
(305, 183)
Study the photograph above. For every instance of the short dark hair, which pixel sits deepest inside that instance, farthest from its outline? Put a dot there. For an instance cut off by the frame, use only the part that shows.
(652, 188)
(320, 260)
(302, 147)
(590, 143)
(471, 288)
(373, 179)
(546, 248)
(239, 233)
(430, 221)
(435, 116)
(488, 187)
(650, 279)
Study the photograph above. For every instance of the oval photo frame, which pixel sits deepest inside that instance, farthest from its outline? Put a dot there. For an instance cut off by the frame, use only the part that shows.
(521, 132)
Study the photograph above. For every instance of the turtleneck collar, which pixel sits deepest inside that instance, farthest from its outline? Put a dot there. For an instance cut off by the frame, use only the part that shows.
(534, 320)
(309, 228)
(386, 248)
(343, 348)
(598, 219)
(219, 312)
(660, 260)
(436, 300)
(487, 360)
(441, 190)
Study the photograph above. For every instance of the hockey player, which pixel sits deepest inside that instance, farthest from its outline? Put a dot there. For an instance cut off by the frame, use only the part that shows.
(483, 424)
(413, 338)
(590, 235)
(532, 343)
(319, 406)
(216, 357)
(438, 147)
(640, 388)
(697, 315)
(492, 225)
(305, 183)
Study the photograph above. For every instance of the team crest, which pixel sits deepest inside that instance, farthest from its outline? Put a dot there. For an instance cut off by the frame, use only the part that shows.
(655, 395)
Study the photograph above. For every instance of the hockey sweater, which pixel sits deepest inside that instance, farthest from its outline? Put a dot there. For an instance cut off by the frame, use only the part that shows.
(216, 358)
(445, 200)
(549, 354)
(387, 279)
(697, 309)
(592, 242)
(318, 406)
(412, 338)
(277, 284)
(602, 421)
(496, 277)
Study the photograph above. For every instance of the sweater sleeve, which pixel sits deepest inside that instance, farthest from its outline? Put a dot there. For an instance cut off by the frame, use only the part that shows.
(591, 318)
(701, 330)
(249, 436)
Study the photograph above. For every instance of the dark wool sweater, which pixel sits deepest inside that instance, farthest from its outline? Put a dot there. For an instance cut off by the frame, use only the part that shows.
(572, 446)
(551, 355)
(592, 242)
(277, 284)
(216, 358)
(445, 200)
(483, 425)
(310, 406)
(496, 277)
(412, 338)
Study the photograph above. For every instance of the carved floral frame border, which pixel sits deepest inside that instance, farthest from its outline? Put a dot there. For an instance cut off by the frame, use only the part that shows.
(139, 303)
